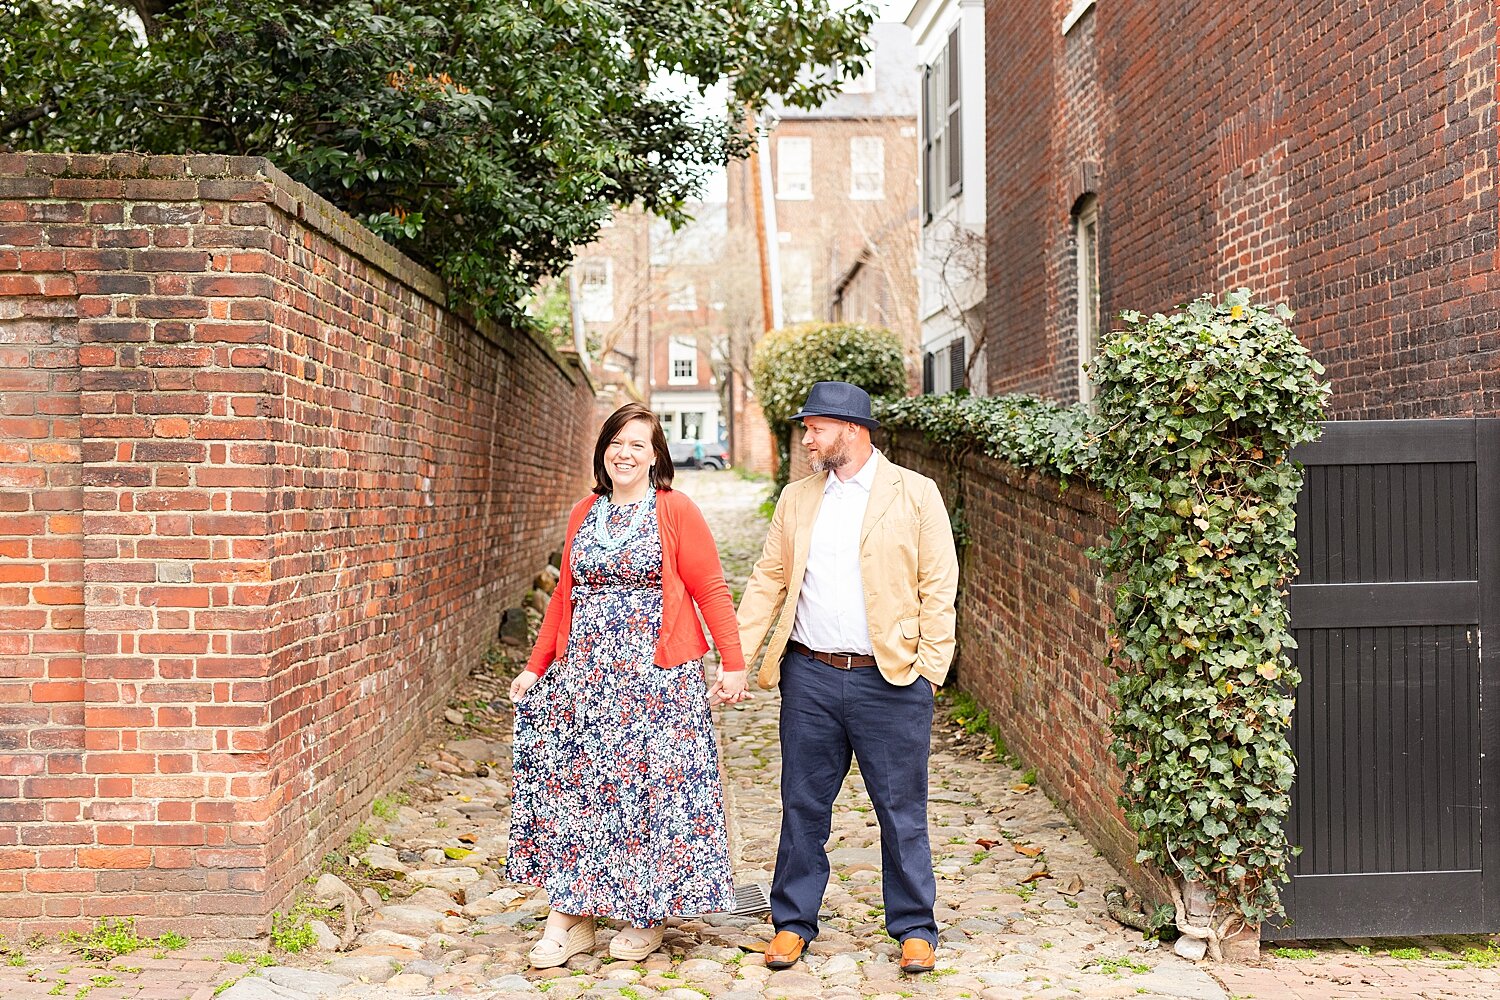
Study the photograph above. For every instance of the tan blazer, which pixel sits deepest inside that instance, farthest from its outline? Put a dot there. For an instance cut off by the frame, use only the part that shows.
(907, 561)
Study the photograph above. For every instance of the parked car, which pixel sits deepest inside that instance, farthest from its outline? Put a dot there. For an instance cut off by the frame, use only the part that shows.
(699, 454)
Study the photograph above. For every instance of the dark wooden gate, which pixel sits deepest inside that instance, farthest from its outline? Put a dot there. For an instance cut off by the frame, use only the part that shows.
(1396, 724)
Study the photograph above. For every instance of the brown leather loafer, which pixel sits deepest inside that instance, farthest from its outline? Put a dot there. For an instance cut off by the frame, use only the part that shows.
(917, 956)
(784, 950)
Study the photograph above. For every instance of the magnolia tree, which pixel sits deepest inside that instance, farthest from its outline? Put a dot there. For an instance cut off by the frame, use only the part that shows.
(486, 138)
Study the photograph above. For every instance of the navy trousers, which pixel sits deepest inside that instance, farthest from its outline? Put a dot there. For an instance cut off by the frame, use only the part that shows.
(827, 714)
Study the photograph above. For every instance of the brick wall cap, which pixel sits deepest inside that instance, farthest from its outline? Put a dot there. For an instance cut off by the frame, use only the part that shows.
(292, 198)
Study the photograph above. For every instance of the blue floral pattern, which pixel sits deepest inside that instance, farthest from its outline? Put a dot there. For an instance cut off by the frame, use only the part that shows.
(618, 810)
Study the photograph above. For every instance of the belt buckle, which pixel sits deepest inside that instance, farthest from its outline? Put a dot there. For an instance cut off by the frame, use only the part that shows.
(848, 661)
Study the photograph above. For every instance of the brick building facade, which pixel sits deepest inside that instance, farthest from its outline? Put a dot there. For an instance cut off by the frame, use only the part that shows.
(842, 214)
(263, 498)
(611, 279)
(1337, 159)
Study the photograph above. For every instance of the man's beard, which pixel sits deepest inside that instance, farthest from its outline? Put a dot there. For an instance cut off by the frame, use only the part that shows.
(830, 459)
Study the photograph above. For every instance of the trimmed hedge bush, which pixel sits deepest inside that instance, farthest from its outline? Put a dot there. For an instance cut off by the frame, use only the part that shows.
(789, 361)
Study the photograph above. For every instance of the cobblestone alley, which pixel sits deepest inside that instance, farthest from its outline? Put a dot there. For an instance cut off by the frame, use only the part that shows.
(415, 906)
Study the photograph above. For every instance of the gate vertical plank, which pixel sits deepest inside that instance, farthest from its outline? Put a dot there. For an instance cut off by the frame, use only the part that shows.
(1368, 778)
(1487, 481)
(1381, 564)
(1333, 552)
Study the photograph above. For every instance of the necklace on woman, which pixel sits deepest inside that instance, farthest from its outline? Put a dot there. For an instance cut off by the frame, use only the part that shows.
(601, 523)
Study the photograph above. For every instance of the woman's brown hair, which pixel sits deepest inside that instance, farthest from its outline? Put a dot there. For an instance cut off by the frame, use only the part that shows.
(661, 469)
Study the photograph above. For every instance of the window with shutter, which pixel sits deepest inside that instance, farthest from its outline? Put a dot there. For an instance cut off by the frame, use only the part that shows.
(954, 120)
(929, 367)
(956, 365)
(942, 128)
(929, 203)
(1086, 240)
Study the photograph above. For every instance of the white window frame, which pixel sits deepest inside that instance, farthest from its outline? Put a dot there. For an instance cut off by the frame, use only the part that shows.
(867, 165)
(683, 298)
(796, 286)
(682, 362)
(1073, 16)
(596, 298)
(1086, 260)
(794, 168)
(683, 425)
(942, 127)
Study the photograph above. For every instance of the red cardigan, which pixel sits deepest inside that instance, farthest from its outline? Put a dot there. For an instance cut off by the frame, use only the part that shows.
(689, 569)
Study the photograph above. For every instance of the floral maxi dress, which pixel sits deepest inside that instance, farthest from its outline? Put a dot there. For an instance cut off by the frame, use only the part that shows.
(618, 810)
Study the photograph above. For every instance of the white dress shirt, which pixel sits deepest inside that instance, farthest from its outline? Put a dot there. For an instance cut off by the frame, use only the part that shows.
(831, 605)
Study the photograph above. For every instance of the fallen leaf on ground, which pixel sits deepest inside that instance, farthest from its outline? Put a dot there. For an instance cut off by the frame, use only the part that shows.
(1040, 873)
(457, 853)
(755, 946)
(1030, 850)
(1071, 886)
(1022, 787)
(468, 838)
(986, 843)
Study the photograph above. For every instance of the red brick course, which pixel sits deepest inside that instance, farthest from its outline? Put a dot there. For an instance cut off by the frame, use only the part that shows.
(1342, 163)
(263, 497)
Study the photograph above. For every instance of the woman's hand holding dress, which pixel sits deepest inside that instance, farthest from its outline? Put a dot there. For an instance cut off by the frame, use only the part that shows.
(523, 682)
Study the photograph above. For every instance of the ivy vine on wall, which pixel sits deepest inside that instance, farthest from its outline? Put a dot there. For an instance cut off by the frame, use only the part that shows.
(1197, 412)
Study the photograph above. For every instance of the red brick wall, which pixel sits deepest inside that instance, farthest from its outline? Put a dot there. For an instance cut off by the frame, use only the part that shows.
(284, 493)
(1342, 163)
(801, 465)
(1032, 614)
(754, 447)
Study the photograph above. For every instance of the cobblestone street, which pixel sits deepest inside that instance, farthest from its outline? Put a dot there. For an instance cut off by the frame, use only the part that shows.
(415, 905)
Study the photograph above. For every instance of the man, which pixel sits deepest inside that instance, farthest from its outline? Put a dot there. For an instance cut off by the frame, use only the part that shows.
(855, 585)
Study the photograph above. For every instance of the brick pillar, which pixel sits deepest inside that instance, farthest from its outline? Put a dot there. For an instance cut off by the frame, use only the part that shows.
(42, 781)
(175, 406)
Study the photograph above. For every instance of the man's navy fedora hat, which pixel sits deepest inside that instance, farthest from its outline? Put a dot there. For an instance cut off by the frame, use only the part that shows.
(838, 401)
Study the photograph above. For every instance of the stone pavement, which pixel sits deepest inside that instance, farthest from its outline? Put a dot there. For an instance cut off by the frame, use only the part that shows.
(415, 905)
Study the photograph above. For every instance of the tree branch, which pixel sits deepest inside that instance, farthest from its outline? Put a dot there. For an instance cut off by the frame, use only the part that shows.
(150, 10)
(21, 119)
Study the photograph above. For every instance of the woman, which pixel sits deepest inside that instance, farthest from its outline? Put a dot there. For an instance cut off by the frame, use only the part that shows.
(618, 811)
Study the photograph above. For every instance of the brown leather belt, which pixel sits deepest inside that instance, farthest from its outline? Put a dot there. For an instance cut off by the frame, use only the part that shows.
(844, 661)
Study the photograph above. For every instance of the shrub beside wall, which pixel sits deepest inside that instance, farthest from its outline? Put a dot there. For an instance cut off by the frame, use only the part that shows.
(789, 361)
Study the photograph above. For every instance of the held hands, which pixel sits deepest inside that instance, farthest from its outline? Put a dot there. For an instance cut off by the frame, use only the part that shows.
(523, 682)
(730, 689)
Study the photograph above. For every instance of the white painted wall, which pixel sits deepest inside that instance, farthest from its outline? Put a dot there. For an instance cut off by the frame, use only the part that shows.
(953, 281)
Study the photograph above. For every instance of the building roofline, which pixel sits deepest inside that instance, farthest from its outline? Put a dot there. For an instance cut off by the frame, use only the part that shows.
(813, 117)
